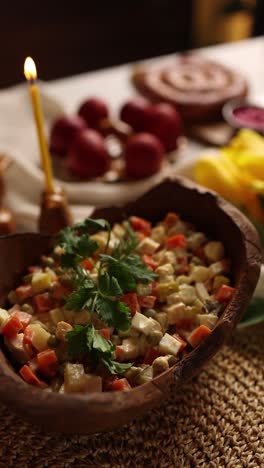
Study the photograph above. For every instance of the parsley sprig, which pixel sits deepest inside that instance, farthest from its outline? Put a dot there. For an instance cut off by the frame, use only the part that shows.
(85, 339)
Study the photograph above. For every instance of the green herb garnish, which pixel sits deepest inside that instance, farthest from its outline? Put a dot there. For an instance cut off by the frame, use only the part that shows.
(254, 313)
(85, 339)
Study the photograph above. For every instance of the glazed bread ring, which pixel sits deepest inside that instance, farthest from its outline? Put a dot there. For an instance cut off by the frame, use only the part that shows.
(198, 87)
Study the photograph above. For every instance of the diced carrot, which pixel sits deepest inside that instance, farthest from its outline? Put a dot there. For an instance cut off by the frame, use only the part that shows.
(147, 301)
(179, 338)
(105, 333)
(151, 355)
(120, 385)
(12, 327)
(47, 362)
(170, 219)
(24, 292)
(131, 300)
(24, 317)
(87, 265)
(28, 335)
(198, 335)
(119, 352)
(149, 261)
(141, 225)
(224, 293)
(43, 302)
(179, 240)
(30, 377)
(59, 291)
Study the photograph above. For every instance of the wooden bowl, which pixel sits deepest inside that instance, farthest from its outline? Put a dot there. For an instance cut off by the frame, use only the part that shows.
(100, 412)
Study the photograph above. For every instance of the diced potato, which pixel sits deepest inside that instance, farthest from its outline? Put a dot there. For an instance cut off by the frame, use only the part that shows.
(176, 312)
(198, 305)
(130, 349)
(168, 257)
(16, 347)
(143, 324)
(74, 378)
(187, 294)
(165, 289)
(118, 230)
(209, 320)
(214, 251)
(58, 251)
(168, 345)
(200, 274)
(4, 316)
(101, 239)
(40, 336)
(93, 383)
(62, 329)
(41, 281)
(201, 292)
(182, 279)
(219, 280)
(144, 289)
(167, 279)
(196, 240)
(174, 299)
(56, 315)
(147, 246)
(158, 234)
(146, 375)
(159, 365)
(178, 228)
(82, 318)
(162, 318)
(69, 315)
(218, 268)
(165, 270)
(159, 256)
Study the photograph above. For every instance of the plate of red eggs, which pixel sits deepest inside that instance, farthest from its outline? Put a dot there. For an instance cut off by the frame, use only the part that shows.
(142, 142)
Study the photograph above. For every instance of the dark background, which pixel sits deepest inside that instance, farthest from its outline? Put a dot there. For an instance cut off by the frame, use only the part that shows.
(69, 38)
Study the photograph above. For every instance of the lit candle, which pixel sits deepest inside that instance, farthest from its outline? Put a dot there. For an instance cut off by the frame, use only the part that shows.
(31, 76)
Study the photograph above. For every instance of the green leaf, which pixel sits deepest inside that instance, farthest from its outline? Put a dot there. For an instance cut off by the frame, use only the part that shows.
(89, 223)
(102, 345)
(139, 269)
(77, 341)
(254, 313)
(120, 271)
(77, 299)
(122, 316)
(116, 367)
(109, 286)
(86, 246)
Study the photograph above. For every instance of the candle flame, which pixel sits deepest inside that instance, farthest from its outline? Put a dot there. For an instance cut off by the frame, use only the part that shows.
(30, 70)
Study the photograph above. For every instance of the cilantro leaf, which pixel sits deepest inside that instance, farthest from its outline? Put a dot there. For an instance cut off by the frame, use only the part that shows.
(122, 316)
(77, 341)
(116, 367)
(109, 285)
(120, 271)
(78, 300)
(102, 345)
(113, 313)
(89, 223)
(139, 269)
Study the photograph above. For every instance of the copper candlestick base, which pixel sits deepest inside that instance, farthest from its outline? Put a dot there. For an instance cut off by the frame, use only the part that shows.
(54, 212)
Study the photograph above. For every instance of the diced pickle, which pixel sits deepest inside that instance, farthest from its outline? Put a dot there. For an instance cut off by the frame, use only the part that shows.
(74, 378)
(165, 289)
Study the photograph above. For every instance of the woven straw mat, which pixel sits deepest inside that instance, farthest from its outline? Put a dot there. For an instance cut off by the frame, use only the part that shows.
(216, 421)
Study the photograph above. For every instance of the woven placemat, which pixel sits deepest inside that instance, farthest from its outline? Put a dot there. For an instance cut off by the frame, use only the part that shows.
(215, 421)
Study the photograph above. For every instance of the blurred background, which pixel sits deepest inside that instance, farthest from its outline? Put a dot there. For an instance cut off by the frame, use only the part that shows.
(67, 38)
